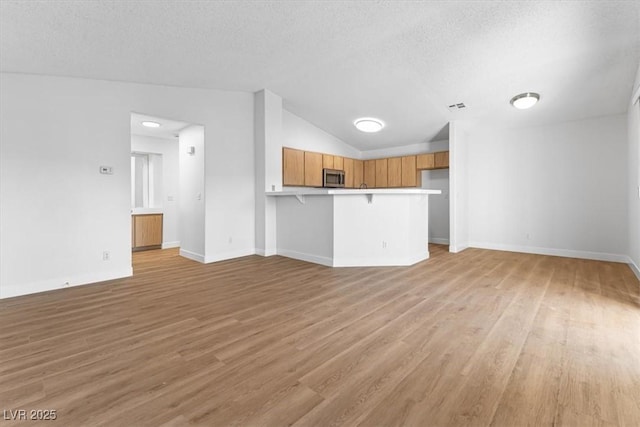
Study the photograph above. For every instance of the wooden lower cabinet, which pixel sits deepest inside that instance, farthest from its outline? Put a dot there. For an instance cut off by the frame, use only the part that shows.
(146, 231)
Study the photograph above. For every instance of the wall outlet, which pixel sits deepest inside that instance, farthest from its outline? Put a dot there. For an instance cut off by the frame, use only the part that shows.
(106, 256)
(230, 239)
(65, 284)
(528, 236)
(384, 245)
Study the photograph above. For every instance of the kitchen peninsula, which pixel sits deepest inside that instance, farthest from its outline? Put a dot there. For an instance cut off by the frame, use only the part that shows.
(353, 227)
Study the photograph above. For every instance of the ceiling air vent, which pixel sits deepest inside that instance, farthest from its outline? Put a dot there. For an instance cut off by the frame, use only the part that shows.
(456, 107)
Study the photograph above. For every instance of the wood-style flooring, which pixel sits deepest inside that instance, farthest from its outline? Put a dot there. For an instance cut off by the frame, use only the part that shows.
(476, 338)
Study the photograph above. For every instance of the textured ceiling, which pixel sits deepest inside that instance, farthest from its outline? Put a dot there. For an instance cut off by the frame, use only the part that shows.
(334, 61)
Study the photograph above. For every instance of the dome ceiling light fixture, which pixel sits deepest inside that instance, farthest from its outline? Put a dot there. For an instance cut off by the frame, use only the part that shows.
(151, 124)
(525, 100)
(369, 124)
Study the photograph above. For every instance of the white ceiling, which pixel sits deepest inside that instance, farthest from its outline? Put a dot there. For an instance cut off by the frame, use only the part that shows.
(334, 61)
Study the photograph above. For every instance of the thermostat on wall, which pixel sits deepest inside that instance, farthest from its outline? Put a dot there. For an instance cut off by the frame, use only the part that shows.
(107, 170)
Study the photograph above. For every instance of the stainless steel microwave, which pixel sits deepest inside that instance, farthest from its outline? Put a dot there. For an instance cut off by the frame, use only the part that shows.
(332, 178)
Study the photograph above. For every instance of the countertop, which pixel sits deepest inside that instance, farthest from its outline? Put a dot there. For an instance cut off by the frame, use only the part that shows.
(349, 191)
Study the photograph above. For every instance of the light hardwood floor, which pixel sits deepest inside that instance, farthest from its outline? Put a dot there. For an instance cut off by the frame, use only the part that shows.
(477, 338)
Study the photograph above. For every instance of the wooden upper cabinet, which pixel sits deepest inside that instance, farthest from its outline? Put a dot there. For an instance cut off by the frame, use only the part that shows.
(327, 161)
(381, 173)
(441, 159)
(409, 172)
(312, 169)
(348, 172)
(425, 161)
(292, 166)
(358, 173)
(394, 172)
(369, 173)
(338, 163)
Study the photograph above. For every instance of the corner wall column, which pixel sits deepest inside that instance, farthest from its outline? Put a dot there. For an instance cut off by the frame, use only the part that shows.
(268, 159)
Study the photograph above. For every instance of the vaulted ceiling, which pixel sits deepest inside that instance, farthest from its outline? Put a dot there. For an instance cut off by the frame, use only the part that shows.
(335, 61)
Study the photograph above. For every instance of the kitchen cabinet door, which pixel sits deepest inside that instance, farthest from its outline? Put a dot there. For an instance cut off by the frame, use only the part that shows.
(327, 161)
(425, 161)
(348, 173)
(358, 173)
(338, 163)
(409, 172)
(441, 160)
(292, 167)
(369, 173)
(394, 172)
(147, 231)
(312, 169)
(381, 173)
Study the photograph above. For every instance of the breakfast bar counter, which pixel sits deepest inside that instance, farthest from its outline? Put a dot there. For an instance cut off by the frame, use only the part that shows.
(353, 227)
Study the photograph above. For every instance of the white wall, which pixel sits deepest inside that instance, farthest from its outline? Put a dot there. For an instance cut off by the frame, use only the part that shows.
(168, 197)
(192, 193)
(305, 231)
(459, 186)
(439, 221)
(556, 189)
(58, 214)
(633, 194)
(300, 134)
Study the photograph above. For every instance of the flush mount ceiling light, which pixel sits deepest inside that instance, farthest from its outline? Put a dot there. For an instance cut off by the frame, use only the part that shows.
(369, 124)
(150, 124)
(525, 100)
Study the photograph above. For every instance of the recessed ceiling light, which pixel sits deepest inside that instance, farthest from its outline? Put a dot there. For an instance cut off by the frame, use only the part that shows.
(525, 100)
(150, 124)
(368, 124)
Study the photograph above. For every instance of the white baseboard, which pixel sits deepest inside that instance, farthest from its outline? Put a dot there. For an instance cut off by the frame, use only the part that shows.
(355, 261)
(229, 255)
(168, 245)
(634, 267)
(567, 253)
(381, 261)
(192, 255)
(263, 252)
(9, 291)
(301, 256)
(459, 248)
(438, 241)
